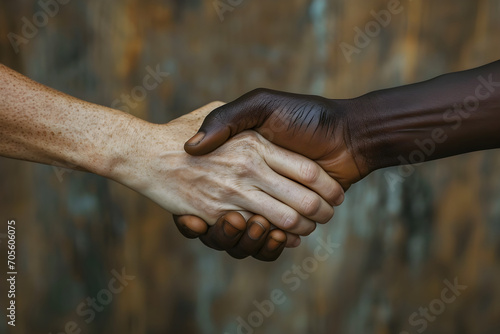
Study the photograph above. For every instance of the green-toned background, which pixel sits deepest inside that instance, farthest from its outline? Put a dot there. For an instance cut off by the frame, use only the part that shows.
(396, 244)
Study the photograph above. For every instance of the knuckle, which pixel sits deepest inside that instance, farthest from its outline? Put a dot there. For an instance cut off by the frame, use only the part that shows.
(291, 221)
(310, 205)
(309, 172)
(247, 158)
(251, 139)
(244, 166)
(231, 191)
(260, 92)
(244, 160)
(246, 142)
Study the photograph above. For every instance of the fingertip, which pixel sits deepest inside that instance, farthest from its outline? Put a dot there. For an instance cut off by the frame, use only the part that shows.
(292, 241)
(194, 145)
(191, 226)
(274, 245)
(278, 235)
(203, 143)
(297, 243)
(340, 199)
(197, 225)
(236, 220)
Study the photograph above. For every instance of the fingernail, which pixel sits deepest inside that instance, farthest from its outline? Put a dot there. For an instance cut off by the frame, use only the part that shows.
(197, 138)
(340, 199)
(273, 245)
(256, 231)
(229, 230)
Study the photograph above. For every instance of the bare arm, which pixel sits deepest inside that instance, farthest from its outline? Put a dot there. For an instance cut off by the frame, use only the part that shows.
(43, 125)
(452, 114)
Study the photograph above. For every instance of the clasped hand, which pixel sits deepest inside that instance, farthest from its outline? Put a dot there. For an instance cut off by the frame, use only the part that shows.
(313, 127)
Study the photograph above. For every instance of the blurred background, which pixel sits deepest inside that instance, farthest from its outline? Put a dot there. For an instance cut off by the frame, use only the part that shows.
(398, 246)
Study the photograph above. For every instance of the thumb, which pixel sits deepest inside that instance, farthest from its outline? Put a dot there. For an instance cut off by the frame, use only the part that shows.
(212, 134)
(220, 125)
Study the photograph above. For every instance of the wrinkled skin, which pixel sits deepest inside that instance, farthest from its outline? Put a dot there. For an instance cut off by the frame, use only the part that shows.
(451, 114)
(313, 126)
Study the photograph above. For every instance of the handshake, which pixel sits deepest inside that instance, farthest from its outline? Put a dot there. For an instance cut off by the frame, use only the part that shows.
(303, 152)
(265, 169)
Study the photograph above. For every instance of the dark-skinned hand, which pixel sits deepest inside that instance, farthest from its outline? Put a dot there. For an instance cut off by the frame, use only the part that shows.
(233, 234)
(452, 114)
(313, 126)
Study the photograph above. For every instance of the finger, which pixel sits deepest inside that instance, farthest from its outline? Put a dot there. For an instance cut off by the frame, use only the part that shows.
(253, 239)
(211, 135)
(225, 122)
(190, 226)
(226, 232)
(292, 240)
(306, 172)
(303, 200)
(279, 214)
(275, 243)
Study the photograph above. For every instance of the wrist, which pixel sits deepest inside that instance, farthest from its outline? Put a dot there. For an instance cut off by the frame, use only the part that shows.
(385, 125)
(363, 132)
(451, 114)
(396, 127)
(125, 149)
(137, 147)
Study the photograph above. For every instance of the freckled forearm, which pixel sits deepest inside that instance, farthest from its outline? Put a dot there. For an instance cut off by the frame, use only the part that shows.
(43, 125)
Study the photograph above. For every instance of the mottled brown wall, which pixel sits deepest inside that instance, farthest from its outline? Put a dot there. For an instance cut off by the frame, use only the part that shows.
(396, 245)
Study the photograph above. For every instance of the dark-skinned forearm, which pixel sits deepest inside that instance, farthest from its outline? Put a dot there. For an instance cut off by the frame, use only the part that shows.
(452, 114)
